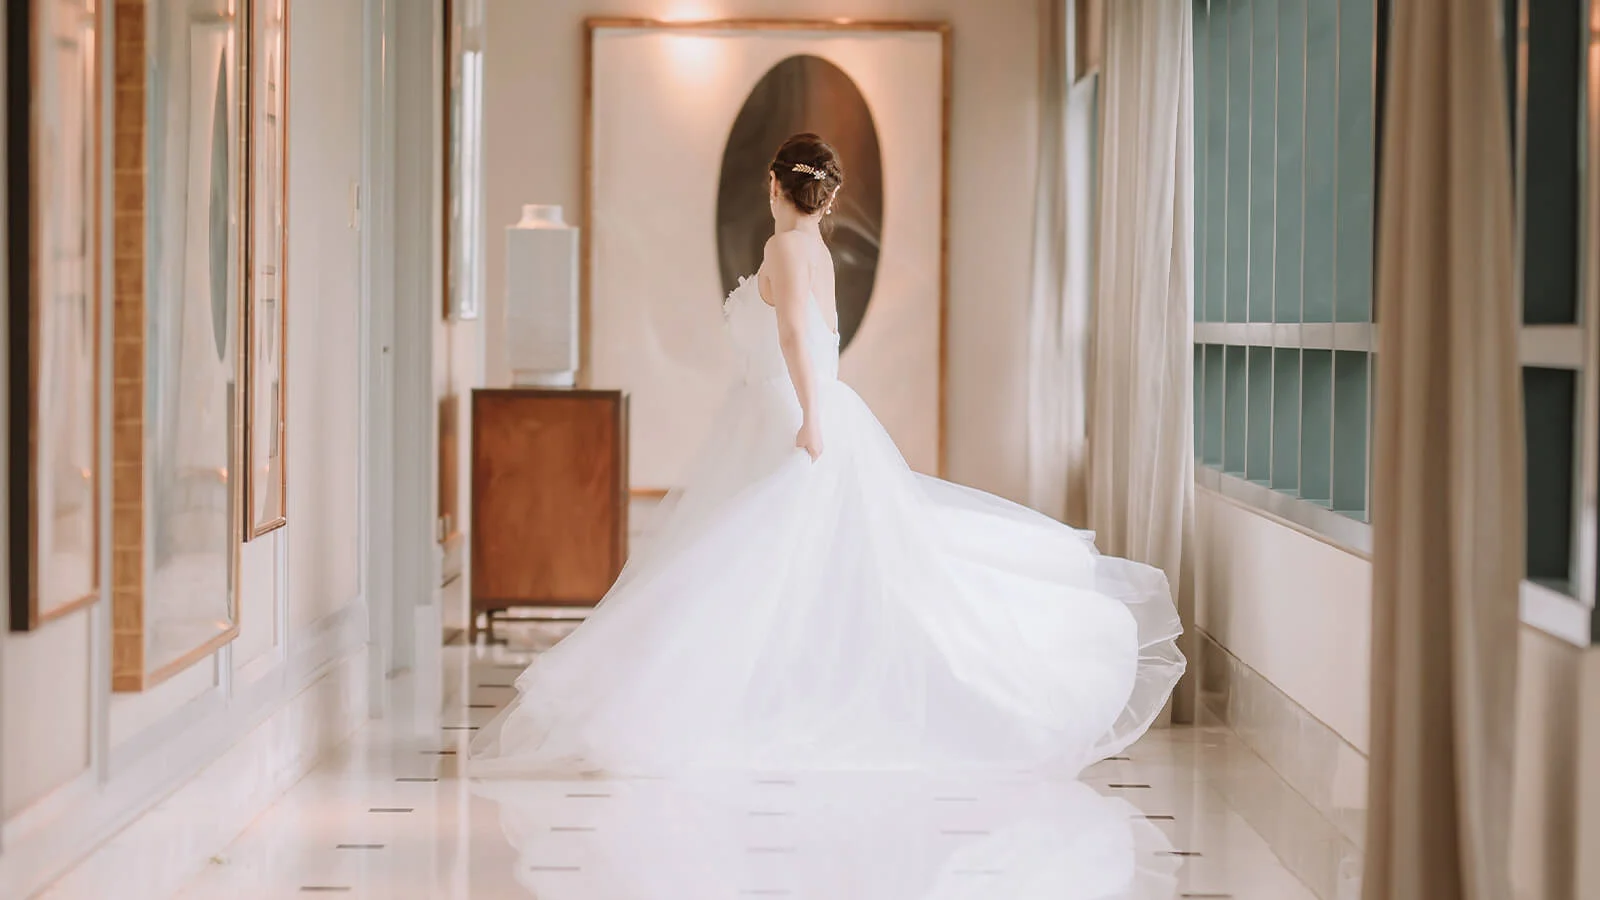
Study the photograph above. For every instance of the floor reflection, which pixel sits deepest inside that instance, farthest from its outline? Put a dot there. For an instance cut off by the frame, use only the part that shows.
(834, 837)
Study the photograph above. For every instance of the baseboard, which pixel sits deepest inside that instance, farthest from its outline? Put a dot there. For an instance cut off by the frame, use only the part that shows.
(1318, 827)
(169, 844)
(112, 839)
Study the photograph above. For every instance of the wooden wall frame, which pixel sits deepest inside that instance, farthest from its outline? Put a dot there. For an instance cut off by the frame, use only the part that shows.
(265, 486)
(43, 186)
(130, 204)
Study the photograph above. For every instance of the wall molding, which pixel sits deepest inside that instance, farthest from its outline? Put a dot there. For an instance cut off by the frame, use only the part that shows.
(50, 837)
(1317, 824)
(377, 340)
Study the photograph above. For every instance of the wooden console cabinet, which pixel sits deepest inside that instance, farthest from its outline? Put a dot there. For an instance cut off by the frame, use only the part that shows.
(549, 497)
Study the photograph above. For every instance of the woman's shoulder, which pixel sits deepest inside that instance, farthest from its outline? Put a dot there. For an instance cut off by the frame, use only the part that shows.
(788, 246)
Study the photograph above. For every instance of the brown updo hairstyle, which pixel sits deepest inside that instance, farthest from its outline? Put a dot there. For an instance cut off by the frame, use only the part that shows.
(805, 190)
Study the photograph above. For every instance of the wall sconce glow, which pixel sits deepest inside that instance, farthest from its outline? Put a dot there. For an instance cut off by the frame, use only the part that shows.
(694, 56)
(689, 11)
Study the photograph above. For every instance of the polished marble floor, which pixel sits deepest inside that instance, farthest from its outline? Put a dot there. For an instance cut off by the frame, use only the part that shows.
(389, 817)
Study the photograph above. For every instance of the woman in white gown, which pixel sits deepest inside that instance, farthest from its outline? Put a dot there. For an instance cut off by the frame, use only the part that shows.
(811, 604)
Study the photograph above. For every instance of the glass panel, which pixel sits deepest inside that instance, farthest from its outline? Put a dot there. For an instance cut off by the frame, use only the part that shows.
(1199, 400)
(1549, 398)
(55, 481)
(1214, 406)
(1235, 386)
(1258, 461)
(1316, 426)
(1355, 223)
(1350, 420)
(191, 338)
(1550, 219)
(1286, 420)
(1202, 97)
(1239, 38)
(1263, 174)
(1216, 222)
(1290, 159)
(265, 490)
(464, 190)
(1322, 104)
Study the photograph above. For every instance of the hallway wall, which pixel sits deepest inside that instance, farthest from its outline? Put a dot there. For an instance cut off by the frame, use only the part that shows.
(79, 761)
(1297, 612)
(533, 115)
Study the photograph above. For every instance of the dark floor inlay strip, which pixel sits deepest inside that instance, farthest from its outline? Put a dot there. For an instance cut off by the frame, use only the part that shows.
(1158, 818)
(460, 728)
(390, 809)
(359, 847)
(1128, 787)
(1177, 853)
(574, 829)
(1119, 759)
(481, 706)
(587, 796)
(505, 686)
(417, 780)
(1207, 896)
(323, 889)
(438, 753)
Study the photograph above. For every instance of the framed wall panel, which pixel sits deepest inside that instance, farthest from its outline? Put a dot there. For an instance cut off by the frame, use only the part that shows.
(681, 120)
(266, 246)
(179, 205)
(53, 280)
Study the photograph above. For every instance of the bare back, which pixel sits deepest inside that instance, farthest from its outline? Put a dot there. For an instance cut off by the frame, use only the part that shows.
(819, 266)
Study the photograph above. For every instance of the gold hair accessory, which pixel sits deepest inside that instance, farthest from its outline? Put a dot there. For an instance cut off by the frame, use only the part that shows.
(815, 173)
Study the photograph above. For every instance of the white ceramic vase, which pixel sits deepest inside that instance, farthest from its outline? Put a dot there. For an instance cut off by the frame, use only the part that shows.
(542, 299)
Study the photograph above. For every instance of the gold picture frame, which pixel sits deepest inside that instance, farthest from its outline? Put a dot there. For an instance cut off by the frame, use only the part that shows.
(54, 147)
(266, 314)
(709, 27)
(178, 203)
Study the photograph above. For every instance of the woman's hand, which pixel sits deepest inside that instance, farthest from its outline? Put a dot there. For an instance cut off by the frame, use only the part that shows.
(809, 439)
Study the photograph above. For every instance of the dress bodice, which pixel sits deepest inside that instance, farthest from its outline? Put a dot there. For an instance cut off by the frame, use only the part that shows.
(753, 326)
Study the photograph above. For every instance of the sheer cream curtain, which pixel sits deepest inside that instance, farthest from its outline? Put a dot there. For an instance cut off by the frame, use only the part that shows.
(1059, 311)
(1141, 417)
(1447, 466)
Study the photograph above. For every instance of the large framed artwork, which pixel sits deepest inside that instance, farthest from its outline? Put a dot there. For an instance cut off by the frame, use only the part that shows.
(179, 293)
(53, 282)
(681, 121)
(266, 312)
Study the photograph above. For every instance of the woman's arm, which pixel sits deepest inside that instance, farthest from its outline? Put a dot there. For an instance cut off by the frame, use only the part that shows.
(790, 279)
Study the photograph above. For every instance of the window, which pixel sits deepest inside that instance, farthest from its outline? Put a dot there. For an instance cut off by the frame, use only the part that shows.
(1284, 213)
(1546, 78)
(1286, 111)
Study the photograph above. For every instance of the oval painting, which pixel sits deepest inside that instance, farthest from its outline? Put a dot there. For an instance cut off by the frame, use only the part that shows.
(804, 93)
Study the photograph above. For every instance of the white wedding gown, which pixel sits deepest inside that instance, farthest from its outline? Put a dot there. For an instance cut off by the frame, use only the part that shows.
(841, 615)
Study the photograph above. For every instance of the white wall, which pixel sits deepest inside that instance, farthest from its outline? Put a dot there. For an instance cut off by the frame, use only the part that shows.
(534, 109)
(1298, 611)
(78, 762)
(1291, 606)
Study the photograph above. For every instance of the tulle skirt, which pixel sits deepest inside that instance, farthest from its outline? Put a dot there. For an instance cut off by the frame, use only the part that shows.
(844, 615)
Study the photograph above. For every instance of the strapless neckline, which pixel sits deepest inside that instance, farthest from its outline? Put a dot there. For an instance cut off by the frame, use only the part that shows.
(811, 301)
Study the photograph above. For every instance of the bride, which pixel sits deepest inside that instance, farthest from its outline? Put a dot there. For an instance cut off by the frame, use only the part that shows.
(811, 604)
